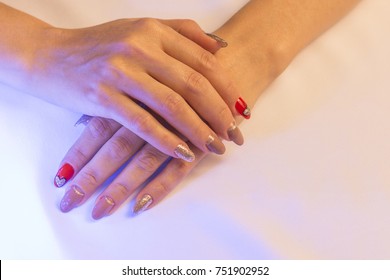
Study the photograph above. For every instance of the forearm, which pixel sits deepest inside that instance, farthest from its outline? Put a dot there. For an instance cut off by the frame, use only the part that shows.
(265, 35)
(20, 38)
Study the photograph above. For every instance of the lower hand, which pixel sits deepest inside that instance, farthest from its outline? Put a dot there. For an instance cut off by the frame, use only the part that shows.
(101, 150)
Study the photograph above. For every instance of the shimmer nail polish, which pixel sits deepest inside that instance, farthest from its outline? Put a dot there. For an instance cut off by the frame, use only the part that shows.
(71, 199)
(222, 43)
(215, 145)
(64, 174)
(242, 108)
(184, 153)
(143, 204)
(103, 207)
(235, 134)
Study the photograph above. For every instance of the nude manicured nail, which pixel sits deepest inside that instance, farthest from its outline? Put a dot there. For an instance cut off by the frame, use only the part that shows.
(64, 174)
(222, 43)
(235, 134)
(71, 199)
(103, 207)
(184, 153)
(143, 204)
(215, 145)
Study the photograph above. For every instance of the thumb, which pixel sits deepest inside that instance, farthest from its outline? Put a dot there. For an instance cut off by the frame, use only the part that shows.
(194, 32)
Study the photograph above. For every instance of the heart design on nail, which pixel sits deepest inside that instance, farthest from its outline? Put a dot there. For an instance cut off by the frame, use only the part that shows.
(60, 181)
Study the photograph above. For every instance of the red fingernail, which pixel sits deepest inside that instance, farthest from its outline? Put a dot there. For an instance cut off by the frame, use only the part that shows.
(242, 108)
(63, 175)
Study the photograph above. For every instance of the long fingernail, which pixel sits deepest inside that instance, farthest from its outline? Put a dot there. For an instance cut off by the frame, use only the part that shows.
(242, 108)
(235, 134)
(103, 207)
(83, 120)
(222, 43)
(143, 204)
(63, 175)
(184, 153)
(71, 199)
(215, 145)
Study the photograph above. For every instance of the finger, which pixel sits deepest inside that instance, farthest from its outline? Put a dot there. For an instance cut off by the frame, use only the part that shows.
(141, 167)
(191, 30)
(174, 109)
(96, 133)
(118, 149)
(200, 60)
(143, 124)
(165, 182)
(197, 91)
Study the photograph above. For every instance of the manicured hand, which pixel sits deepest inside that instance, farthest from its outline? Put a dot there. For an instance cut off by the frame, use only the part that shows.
(101, 150)
(136, 71)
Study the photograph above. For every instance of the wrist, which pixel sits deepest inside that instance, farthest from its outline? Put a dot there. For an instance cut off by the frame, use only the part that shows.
(252, 66)
(23, 39)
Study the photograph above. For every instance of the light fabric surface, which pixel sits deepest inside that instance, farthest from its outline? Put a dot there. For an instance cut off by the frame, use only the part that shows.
(312, 180)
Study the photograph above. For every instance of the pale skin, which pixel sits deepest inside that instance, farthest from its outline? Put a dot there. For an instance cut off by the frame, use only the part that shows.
(110, 69)
(264, 36)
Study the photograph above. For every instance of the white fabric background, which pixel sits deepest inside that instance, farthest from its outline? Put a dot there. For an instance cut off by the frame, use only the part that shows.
(312, 180)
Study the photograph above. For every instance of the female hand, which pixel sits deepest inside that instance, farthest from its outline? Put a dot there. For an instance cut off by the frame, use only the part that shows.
(111, 69)
(101, 150)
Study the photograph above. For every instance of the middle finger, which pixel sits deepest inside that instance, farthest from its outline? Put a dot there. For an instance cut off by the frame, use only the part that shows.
(107, 160)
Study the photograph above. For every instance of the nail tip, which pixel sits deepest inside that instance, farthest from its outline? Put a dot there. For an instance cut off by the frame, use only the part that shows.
(184, 153)
(216, 146)
(142, 204)
(71, 199)
(222, 43)
(96, 218)
(64, 174)
(242, 108)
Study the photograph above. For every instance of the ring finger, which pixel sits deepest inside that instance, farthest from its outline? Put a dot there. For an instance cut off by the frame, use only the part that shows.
(112, 155)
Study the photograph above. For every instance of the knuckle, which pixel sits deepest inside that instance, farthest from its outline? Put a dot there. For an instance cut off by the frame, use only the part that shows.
(147, 24)
(122, 189)
(187, 24)
(165, 187)
(88, 177)
(172, 103)
(181, 169)
(96, 94)
(77, 154)
(150, 160)
(143, 123)
(100, 128)
(190, 23)
(194, 81)
(207, 61)
(121, 147)
(224, 113)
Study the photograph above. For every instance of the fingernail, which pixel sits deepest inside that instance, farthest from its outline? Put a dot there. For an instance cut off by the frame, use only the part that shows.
(215, 145)
(143, 204)
(242, 108)
(103, 207)
(83, 120)
(222, 43)
(71, 199)
(63, 175)
(184, 153)
(235, 134)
